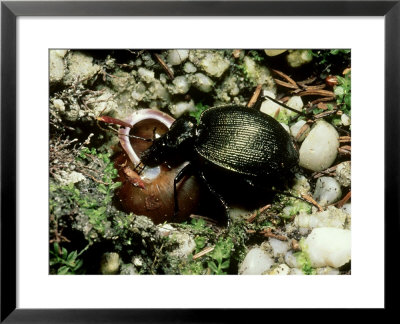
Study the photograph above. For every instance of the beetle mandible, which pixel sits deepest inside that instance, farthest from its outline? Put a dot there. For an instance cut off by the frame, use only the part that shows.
(230, 147)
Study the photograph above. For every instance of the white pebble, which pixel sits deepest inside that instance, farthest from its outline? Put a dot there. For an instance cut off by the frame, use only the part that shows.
(278, 246)
(146, 75)
(181, 84)
(296, 272)
(109, 263)
(331, 217)
(256, 262)
(327, 271)
(295, 102)
(214, 64)
(346, 121)
(295, 129)
(343, 173)
(202, 82)
(59, 105)
(327, 191)
(281, 269)
(327, 246)
(319, 149)
(291, 260)
(269, 107)
(180, 108)
(176, 57)
(189, 67)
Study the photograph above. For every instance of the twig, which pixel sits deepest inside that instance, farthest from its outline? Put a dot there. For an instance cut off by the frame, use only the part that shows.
(312, 201)
(257, 212)
(340, 203)
(344, 139)
(206, 250)
(286, 77)
(268, 233)
(345, 150)
(164, 66)
(255, 96)
(324, 93)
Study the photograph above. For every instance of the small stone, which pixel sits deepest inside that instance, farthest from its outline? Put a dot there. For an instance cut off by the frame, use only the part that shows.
(269, 107)
(189, 67)
(138, 92)
(182, 107)
(181, 85)
(296, 103)
(327, 271)
(256, 262)
(57, 65)
(59, 105)
(295, 129)
(327, 246)
(104, 103)
(186, 245)
(146, 75)
(327, 191)
(343, 173)
(176, 57)
(298, 58)
(346, 121)
(109, 263)
(212, 62)
(202, 82)
(331, 217)
(281, 269)
(274, 52)
(278, 247)
(291, 260)
(258, 74)
(80, 67)
(128, 269)
(319, 150)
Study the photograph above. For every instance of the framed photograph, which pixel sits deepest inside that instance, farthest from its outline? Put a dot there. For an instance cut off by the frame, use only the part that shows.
(149, 146)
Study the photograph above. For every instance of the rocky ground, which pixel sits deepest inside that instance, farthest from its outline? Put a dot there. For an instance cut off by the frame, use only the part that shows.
(91, 233)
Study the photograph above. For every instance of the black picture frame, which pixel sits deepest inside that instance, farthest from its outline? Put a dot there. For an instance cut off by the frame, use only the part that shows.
(10, 10)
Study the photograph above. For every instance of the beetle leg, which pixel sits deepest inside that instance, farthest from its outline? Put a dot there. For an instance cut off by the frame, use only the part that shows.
(217, 196)
(185, 170)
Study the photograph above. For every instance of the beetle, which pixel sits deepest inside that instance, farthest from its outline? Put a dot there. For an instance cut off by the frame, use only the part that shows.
(231, 149)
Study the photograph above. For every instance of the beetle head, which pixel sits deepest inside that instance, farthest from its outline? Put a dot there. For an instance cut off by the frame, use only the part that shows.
(173, 145)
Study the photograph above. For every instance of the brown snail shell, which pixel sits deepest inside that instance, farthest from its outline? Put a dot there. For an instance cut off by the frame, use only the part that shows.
(151, 194)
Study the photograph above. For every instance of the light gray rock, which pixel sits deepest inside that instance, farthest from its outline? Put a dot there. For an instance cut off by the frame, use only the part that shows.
(212, 62)
(297, 58)
(327, 191)
(327, 246)
(182, 107)
(331, 217)
(256, 262)
(202, 82)
(319, 150)
(295, 129)
(343, 173)
(176, 57)
(80, 67)
(57, 65)
(110, 263)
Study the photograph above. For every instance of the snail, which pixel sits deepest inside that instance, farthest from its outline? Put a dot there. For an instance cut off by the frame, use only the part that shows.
(150, 193)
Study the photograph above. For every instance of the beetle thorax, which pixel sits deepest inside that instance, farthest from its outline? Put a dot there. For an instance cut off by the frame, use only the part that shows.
(176, 144)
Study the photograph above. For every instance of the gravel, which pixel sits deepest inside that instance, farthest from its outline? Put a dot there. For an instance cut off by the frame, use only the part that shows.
(319, 149)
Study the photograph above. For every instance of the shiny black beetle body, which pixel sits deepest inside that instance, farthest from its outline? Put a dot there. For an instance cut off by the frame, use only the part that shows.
(232, 148)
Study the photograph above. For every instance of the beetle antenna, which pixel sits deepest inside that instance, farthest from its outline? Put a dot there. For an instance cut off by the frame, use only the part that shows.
(285, 106)
(115, 121)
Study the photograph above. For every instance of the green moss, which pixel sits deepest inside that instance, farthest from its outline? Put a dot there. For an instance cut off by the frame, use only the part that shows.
(303, 259)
